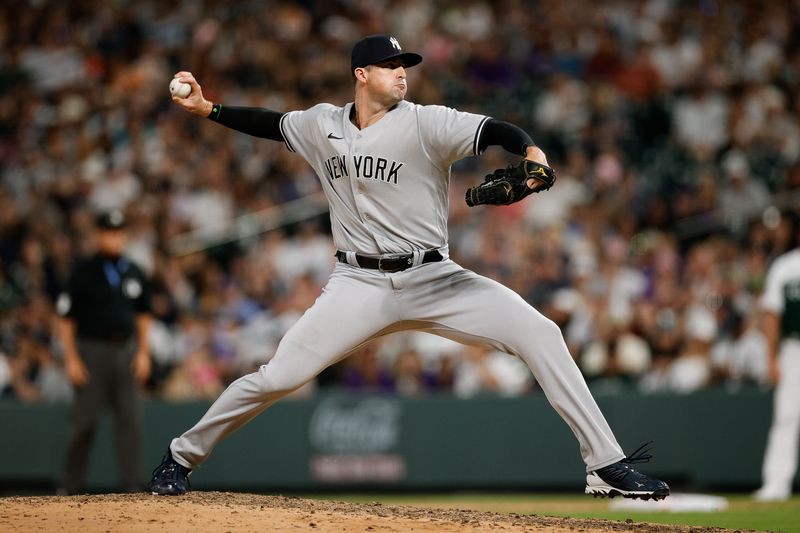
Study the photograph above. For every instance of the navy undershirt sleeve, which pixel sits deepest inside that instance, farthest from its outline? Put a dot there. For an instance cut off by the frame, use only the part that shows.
(498, 133)
(254, 121)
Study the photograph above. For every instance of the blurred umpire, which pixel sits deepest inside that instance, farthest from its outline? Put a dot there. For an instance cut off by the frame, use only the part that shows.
(103, 326)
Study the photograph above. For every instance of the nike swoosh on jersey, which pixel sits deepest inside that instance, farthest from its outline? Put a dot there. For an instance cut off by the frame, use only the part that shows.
(332, 136)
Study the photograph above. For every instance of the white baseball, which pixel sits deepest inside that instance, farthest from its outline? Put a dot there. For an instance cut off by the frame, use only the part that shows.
(179, 89)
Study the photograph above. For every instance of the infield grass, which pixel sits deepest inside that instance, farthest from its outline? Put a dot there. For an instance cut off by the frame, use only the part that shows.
(742, 512)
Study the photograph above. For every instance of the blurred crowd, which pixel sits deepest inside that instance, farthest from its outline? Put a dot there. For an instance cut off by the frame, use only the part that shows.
(674, 127)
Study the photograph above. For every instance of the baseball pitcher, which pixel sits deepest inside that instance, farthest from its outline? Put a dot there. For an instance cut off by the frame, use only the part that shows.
(384, 164)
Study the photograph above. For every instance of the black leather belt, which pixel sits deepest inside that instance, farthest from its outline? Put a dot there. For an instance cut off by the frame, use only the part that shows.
(393, 263)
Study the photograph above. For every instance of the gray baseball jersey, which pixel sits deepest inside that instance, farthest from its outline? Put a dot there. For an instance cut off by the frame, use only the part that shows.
(388, 191)
(387, 184)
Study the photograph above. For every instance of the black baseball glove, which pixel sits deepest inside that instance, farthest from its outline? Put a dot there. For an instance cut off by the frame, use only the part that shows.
(507, 185)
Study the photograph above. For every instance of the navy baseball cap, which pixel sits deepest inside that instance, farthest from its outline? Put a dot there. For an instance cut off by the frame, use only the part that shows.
(377, 48)
(110, 220)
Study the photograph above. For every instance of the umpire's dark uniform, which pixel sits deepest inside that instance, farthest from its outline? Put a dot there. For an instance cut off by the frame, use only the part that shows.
(104, 316)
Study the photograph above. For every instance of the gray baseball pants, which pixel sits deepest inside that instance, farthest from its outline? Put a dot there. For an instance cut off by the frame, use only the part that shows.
(358, 305)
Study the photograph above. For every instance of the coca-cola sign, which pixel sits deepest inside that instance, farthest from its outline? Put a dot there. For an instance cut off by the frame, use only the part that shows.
(355, 425)
(356, 468)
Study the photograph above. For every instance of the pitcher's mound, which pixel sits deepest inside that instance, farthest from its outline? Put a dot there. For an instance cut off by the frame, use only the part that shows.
(200, 512)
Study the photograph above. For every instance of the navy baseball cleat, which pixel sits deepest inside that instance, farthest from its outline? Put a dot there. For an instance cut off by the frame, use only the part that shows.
(619, 479)
(169, 478)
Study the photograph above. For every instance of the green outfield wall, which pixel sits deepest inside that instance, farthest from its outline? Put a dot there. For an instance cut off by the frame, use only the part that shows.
(710, 440)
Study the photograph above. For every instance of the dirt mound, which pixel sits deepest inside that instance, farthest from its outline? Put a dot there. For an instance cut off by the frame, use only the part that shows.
(200, 512)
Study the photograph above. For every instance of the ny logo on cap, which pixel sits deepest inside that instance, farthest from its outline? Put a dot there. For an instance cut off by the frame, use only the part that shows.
(116, 217)
(394, 43)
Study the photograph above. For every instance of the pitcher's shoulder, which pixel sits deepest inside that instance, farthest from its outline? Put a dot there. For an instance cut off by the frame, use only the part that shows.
(414, 107)
(433, 111)
(325, 110)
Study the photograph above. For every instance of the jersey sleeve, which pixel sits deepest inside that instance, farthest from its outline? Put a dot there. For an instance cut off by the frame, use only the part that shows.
(300, 129)
(772, 299)
(448, 134)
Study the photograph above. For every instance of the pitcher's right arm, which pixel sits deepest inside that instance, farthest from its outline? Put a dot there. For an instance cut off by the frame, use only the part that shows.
(255, 121)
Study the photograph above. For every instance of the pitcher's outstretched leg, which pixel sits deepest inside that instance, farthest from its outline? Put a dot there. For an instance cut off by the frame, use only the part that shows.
(322, 336)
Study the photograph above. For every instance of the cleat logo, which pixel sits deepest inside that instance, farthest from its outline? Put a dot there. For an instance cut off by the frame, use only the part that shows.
(639, 484)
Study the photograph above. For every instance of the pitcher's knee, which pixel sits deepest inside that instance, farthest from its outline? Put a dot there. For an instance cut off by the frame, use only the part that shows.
(550, 328)
(536, 326)
(536, 336)
(284, 374)
(273, 379)
(294, 364)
